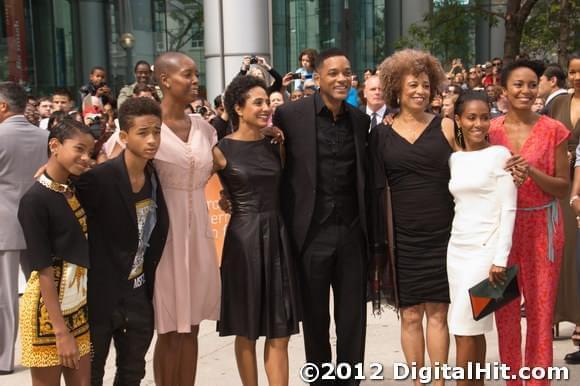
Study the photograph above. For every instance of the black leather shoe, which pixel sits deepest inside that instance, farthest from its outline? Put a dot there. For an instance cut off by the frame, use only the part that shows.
(573, 358)
(6, 372)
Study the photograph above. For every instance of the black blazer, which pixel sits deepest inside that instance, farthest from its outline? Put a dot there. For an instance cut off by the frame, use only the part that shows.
(106, 194)
(298, 122)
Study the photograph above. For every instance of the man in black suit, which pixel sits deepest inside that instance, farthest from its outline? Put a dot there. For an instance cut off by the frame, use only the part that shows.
(128, 223)
(375, 107)
(323, 201)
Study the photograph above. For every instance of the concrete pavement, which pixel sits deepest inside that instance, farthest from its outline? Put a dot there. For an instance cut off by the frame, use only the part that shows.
(217, 365)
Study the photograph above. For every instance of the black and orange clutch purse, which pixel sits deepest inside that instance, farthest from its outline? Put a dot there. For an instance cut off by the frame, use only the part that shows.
(486, 298)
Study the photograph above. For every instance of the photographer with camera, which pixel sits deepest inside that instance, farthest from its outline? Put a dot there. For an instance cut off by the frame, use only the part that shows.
(97, 85)
(258, 67)
(456, 67)
(143, 77)
(201, 107)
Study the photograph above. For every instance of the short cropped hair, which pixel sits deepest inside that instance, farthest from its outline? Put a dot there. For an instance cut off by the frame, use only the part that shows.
(237, 94)
(14, 96)
(137, 107)
(139, 88)
(97, 68)
(409, 61)
(554, 70)
(329, 53)
(140, 63)
(62, 92)
(536, 66)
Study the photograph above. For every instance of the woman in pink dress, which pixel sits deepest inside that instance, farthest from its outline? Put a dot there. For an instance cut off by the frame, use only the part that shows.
(538, 238)
(187, 288)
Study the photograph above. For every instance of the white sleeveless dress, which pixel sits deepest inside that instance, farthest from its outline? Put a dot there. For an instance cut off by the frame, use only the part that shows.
(485, 209)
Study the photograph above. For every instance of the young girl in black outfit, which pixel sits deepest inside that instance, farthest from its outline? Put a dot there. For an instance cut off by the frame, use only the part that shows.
(54, 324)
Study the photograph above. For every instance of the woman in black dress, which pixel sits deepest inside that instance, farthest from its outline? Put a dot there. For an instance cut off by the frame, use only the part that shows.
(412, 154)
(259, 292)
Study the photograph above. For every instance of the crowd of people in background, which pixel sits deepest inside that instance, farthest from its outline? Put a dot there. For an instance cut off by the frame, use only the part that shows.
(426, 180)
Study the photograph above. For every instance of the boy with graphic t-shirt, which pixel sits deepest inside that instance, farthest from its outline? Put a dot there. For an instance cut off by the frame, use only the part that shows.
(128, 223)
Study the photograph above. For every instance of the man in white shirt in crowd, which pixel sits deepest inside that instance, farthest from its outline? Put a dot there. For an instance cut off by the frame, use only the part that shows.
(44, 109)
(375, 107)
(551, 86)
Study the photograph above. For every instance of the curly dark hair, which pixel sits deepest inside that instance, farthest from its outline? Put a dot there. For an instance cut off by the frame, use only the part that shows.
(237, 93)
(409, 61)
(137, 107)
(327, 54)
(311, 53)
(535, 65)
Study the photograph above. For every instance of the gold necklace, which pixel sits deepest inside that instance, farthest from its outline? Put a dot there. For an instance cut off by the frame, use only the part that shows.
(53, 185)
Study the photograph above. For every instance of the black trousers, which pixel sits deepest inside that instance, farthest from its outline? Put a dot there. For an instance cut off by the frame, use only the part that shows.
(334, 256)
(131, 328)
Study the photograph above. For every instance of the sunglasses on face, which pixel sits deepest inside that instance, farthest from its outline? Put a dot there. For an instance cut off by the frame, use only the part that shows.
(497, 64)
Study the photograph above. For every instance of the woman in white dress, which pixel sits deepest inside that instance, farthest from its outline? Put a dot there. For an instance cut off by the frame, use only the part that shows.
(481, 236)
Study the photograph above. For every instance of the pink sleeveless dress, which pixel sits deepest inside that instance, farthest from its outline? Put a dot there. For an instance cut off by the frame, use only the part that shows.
(187, 285)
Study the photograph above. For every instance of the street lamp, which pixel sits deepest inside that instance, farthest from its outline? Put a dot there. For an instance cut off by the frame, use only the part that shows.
(127, 41)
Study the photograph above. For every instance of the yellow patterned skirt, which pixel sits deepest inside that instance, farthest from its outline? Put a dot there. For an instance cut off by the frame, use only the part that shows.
(36, 332)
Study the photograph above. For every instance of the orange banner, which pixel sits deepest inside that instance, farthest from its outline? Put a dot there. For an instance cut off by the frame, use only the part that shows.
(218, 219)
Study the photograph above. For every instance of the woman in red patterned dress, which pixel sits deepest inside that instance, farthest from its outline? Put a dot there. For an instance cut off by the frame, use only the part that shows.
(538, 237)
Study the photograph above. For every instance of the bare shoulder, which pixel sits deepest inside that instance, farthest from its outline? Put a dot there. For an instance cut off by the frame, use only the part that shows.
(219, 159)
(448, 128)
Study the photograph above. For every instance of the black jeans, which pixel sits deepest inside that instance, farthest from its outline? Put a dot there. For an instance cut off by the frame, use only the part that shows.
(131, 327)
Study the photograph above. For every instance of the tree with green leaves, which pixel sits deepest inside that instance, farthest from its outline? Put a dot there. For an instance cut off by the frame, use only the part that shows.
(552, 30)
(537, 27)
(185, 21)
(445, 32)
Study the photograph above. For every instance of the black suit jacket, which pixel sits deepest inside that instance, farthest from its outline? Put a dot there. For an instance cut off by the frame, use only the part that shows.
(298, 122)
(106, 195)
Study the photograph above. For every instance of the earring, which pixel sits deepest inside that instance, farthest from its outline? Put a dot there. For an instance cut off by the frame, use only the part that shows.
(398, 101)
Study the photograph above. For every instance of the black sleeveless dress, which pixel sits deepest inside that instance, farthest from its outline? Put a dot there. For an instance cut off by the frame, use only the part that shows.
(418, 176)
(259, 290)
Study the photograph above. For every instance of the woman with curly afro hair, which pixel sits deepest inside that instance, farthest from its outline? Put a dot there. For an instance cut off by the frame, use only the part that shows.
(412, 153)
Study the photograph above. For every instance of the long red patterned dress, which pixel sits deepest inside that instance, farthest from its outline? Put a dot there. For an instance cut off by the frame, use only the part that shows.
(538, 242)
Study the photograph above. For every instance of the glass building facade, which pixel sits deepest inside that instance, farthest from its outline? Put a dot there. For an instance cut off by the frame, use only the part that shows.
(53, 43)
(357, 26)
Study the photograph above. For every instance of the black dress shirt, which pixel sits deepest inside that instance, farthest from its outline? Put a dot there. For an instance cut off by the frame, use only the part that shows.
(336, 165)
